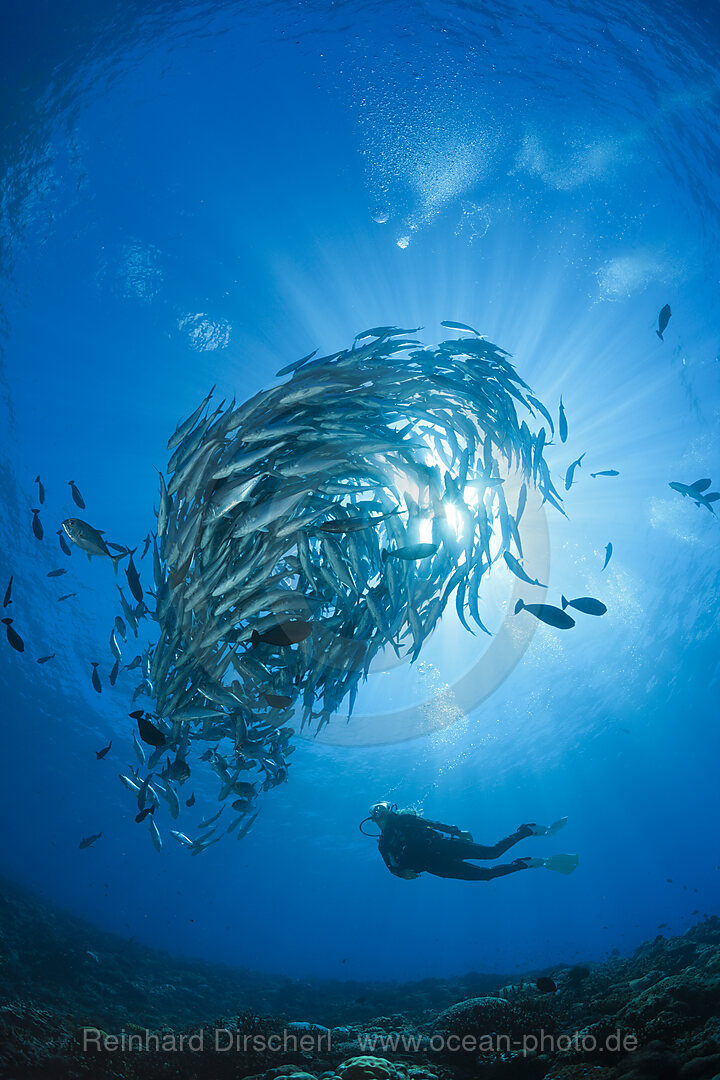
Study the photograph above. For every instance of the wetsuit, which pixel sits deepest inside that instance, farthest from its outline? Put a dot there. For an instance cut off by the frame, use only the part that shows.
(410, 845)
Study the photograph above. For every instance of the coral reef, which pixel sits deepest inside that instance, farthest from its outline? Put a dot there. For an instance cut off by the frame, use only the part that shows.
(75, 1002)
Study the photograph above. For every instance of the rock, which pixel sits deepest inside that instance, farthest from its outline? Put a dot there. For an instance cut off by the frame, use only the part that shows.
(479, 1016)
(369, 1068)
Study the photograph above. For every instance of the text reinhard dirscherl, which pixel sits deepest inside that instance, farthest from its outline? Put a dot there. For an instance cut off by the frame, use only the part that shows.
(319, 1040)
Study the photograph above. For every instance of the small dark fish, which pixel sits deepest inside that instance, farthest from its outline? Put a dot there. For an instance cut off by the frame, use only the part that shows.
(546, 613)
(67, 596)
(114, 673)
(64, 546)
(13, 637)
(608, 554)
(37, 525)
(461, 326)
(57, 573)
(100, 754)
(88, 841)
(77, 497)
(518, 571)
(278, 701)
(411, 553)
(144, 813)
(562, 424)
(45, 659)
(291, 632)
(133, 579)
(546, 985)
(605, 472)
(147, 731)
(120, 627)
(148, 542)
(8, 593)
(587, 604)
(191, 800)
(121, 548)
(41, 490)
(570, 474)
(663, 320)
(178, 770)
(97, 685)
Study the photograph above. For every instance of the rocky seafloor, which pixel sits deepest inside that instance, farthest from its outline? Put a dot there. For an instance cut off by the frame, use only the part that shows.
(77, 1002)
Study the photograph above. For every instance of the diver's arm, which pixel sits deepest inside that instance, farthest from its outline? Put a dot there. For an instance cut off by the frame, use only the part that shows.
(384, 849)
(451, 830)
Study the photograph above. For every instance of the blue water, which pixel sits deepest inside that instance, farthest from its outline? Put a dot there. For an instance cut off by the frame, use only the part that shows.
(195, 194)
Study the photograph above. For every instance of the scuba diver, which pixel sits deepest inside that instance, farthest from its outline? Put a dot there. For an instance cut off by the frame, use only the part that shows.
(411, 845)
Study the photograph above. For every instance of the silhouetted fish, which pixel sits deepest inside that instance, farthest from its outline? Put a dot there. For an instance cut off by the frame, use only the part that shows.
(278, 701)
(97, 685)
(608, 554)
(562, 425)
(13, 637)
(88, 841)
(517, 569)
(546, 985)
(663, 320)
(547, 613)
(587, 604)
(100, 754)
(37, 525)
(77, 497)
(8, 593)
(41, 490)
(570, 474)
(605, 472)
(64, 546)
(147, 730)
(133, 579)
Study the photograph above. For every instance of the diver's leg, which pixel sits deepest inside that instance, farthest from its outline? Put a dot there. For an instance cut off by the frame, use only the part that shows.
(464, 849)
(467, 872)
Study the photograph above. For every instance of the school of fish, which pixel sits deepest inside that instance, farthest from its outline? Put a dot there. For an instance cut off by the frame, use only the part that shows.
(305, 530)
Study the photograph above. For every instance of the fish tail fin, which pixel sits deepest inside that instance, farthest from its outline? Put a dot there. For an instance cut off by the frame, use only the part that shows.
(384, 555)
(519, 606)
(114, 559)
(564, 602)
(34, 511)
(659, 335)
(254, 638)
